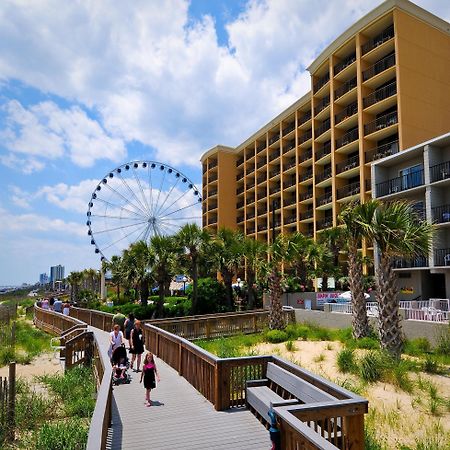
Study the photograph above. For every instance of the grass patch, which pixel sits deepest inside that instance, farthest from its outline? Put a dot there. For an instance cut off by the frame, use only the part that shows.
(345, 361)
(290, 346)
(371, 367)
(233, 346)
(67, 435)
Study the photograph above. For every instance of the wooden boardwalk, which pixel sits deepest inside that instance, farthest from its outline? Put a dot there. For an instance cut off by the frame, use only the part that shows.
(180, 418)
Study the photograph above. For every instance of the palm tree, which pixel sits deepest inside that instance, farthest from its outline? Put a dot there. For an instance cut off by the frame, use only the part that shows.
(284, 249)
(226, 249)
(139, 256)
(116, 267)
(74, 279)
(304, 261)
(398, 232)
(255, 254)
(333, 240)
(194, 241)
(357, 218)
(165, 252)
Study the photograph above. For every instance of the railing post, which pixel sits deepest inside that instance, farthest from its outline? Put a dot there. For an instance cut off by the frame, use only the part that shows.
(354, 432)
(218, 386)
(208, 329)
(180, 358)
(11, 401)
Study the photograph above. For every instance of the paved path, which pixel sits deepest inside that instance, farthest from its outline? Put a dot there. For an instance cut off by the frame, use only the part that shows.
(180, 418)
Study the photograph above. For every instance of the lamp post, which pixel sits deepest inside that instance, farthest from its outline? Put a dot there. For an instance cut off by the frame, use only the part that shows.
(184, 284)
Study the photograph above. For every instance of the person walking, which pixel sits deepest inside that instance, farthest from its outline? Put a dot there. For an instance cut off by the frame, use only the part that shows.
(136, 345)
(115, 340)
(150, 375)
(129, 325)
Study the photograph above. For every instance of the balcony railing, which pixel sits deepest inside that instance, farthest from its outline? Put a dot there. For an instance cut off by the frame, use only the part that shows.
(259, 164)
(324, 199)
(346, 87)
(212, 178)
(289, 183)
(290, 201)
(306, 176)
(349, 190)
(251, 169)
(262, 227)
(440, 171)
(442, 257)
(239, 176)
(380, 94)
(323, 103)
(325, 126)
(379, 66)
(324, 223)
(340, 66)
(305, 196)
(240, 190)
(381, 38)
(382, 151)
(441, 214)
(212, 192)
(240, 161)
(274, 172)
(305, 136)
(261, 147)
(347, 112)
(240, 204)
(240, 219)
(250, 200)
(288, 146)
(250, 184)
(347, 138)
(401, 263)
(274, 139)
(212, 164)
(274, 155)
(275, 189)
(399, 184)
(289, 164)
(323, 175)
(308, 214)
(290, 127)
(351, 163)
(250, 215)
(303, 119)
(304, 156)
(261, 178)
(250, 230)
(323, 151)
(321, 82)
(290, 219)
(381, 122)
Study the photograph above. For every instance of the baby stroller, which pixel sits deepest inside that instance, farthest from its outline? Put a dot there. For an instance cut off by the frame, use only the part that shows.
(121, 364)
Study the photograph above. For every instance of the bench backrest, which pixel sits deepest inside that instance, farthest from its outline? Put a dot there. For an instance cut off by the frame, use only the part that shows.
(299, 388)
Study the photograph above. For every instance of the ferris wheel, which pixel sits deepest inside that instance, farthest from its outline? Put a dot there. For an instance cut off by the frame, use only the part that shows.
(139, 200)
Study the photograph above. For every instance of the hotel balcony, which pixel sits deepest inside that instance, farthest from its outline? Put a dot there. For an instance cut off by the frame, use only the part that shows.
(323, 151)
(289, 127)
(212, 164)
(342, 90)
(442, 257)
(261, 178)
(440, 172)
(346, 113)
(324, 199)
(212, 178)
(379, 95)
(380, 66)
(240, 161)
(305, 137)
(260, 147)
(324, 223)
(349, 164)
(306, 196)
(320, 131)
(348, 191)
(378, 40)
(381, 123)
(290, 219)
(305, 118)
(322, 104)
(400, 184)
(289, 164)
(307, 215)
(274, 139)
(347, 138)
(306, 176)
(410, 263)
(290, 145)
(324, 175)
(289, 183)
(382, 151)
(305, 156)
(441, 214)
(341, 65)
(321, 82)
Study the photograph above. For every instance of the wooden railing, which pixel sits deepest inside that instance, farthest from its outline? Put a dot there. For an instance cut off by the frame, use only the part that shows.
(328, 426)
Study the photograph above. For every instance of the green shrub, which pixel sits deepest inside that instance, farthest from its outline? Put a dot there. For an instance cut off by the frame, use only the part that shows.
(417, 347)
(276, 336)
(366, 343)
(371, 366)
(346, 361)
(210, 296)
(69, 435)
(443, 345)
(302, 332)
(291, 331)
(290, 346)
(399, 376)
(431, 365)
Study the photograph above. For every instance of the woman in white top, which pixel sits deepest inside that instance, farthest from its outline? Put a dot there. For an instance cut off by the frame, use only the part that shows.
(115, 339)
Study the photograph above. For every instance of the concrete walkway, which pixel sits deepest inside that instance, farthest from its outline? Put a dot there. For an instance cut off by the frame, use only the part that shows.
(180, 418)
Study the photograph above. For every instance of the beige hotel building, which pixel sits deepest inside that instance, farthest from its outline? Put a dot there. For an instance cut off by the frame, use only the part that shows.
(381, 87)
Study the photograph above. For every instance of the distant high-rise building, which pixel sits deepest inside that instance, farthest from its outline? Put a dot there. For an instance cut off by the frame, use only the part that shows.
(43, 279)
(56, 273)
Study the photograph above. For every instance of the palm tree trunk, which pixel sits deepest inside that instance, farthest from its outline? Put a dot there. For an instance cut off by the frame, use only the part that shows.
(360, 324)
(250, 290)
(160, 305)
(144, 292)
(276, 321)
(324, 283)
(194, 285)
(228, 281)
(389, 326)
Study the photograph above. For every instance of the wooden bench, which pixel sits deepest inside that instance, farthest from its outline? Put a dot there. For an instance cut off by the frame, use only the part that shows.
(281, 388)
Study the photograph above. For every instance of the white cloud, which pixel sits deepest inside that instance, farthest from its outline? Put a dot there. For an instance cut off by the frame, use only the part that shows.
(46, 132)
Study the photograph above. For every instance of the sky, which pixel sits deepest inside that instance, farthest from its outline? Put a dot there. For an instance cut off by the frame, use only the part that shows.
(87, 86)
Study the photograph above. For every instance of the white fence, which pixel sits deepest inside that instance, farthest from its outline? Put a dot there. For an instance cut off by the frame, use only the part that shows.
(434, 310)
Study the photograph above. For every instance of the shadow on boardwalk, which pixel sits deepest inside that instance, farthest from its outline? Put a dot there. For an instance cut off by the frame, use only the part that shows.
(180, 418)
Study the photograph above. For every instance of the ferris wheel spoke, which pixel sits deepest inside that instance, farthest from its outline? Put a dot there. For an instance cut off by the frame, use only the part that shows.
(160, 190)
(125, 199)
(167, 196)
(141, 189)
(151, 188)
(181, 218)
(116, 217)
(114, 205)
(121, 239)
(143, 209)
(179, 209)
(170, 227)
(163, 213)
(120, 228)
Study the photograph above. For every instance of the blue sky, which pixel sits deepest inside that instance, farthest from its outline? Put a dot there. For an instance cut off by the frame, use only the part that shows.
(88, 86)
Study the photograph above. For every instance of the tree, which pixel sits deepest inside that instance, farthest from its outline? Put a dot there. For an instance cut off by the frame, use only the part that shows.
(116, 267)
(398, 232)
(226, 249)
(165, 252)
(284, 249)
(357, 218)
(333, 240)
(74, 279)
(255, 254)
(194, 241)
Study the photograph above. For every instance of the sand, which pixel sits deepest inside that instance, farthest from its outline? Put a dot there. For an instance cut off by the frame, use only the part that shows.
(45, 364)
